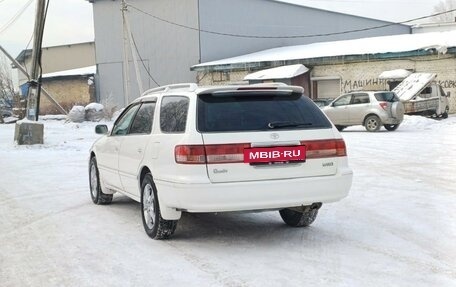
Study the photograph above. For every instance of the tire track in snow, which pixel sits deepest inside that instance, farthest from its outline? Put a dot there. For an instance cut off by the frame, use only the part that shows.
(208, 268)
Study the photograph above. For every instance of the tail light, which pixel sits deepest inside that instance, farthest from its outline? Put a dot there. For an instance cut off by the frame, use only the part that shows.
(384, 105)
(325, 148)
(210, 154)
(234, 153)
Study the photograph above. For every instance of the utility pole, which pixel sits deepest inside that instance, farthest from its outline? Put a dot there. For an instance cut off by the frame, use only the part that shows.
(30, 131)
(126, 70)
(128, 39)
(33, 96)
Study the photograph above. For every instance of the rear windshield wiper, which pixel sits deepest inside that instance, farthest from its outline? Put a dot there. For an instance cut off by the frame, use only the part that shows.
(278, 125)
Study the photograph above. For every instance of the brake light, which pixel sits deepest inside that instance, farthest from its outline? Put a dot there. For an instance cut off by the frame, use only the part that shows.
(190, 154)
(384, 105)
(325, 148)
(210, 154)
(234, 153)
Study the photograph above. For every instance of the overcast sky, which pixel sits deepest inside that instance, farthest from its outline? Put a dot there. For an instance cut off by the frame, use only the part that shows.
(70, 21)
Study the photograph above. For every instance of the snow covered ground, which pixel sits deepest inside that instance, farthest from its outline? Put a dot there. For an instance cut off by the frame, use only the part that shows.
(396, 228)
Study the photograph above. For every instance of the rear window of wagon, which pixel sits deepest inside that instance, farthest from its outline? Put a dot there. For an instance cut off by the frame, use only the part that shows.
(239, 112)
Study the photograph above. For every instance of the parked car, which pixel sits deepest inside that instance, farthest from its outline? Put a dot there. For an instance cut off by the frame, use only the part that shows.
(372, 109)
(422, 96)
(5, 109)
(322, 102)
(183, 148)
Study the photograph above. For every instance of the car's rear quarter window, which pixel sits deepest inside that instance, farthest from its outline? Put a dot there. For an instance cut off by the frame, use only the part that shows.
(386, 97)
(253, 112)
(173, 114)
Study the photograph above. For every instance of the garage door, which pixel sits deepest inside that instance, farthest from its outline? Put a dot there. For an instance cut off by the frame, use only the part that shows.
(327, 88)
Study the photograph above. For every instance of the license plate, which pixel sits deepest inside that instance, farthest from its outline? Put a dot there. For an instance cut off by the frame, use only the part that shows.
(275, 154)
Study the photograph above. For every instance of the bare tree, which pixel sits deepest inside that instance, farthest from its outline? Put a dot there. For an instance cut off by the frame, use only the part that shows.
(7, 90)
(442, 6)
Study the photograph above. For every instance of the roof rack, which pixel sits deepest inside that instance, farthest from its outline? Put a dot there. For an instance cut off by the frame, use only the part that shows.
(191, 87)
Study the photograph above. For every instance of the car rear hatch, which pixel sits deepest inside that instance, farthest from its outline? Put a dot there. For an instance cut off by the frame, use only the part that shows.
(257, 134)
(390, 102)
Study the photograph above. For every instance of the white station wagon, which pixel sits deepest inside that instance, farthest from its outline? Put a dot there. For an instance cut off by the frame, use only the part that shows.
(184, 148)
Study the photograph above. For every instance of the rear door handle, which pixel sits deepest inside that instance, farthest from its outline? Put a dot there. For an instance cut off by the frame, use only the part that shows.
(140, 150)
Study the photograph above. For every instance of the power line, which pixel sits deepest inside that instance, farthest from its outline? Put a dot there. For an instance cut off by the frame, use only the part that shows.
(142, 62)
(363, 1)
(291, 36)
(15, 17)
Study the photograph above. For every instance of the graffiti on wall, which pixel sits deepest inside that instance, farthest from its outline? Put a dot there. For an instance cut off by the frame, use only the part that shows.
(447, 84)
(353, 85)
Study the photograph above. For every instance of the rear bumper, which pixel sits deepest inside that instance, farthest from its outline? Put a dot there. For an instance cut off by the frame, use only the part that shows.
(254, 195)
(391, 121)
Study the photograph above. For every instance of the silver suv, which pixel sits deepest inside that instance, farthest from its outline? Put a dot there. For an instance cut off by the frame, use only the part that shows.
(372, 109)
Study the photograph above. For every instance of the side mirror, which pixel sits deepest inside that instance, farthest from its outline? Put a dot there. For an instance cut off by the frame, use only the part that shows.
(448, 94)
(101, 129)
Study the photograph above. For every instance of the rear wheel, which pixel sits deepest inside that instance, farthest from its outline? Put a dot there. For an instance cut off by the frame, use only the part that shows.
(391, 127)
(97, 195)
(445, 114)
(372, 123)
(300, 218)
(155, 226)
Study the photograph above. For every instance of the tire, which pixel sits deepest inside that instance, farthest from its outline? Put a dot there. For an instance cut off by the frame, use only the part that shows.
(340, 128)
(372, 123)
(155, 226)
(298, 219)
(398, 110)
(445, 114)
(391, 127)
(97, 195)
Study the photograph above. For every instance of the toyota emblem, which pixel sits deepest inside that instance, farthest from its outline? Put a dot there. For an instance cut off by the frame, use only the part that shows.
(275, 136)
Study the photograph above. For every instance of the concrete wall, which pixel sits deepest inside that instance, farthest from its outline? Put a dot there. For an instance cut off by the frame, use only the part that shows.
(267, 17)
(168, 51)
(62, 58)
(67, 92)
(364, 75)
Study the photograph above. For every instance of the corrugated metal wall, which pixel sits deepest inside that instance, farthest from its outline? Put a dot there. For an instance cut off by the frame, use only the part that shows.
(273, 18)
(169, 51)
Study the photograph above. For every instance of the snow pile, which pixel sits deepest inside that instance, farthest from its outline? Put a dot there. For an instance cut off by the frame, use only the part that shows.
(94, 106)
(10, 120)
(94, 112)
(398, 74)
(53, 117)
(421, 123)
(90, 70)
(284, 72)
(77, 114)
